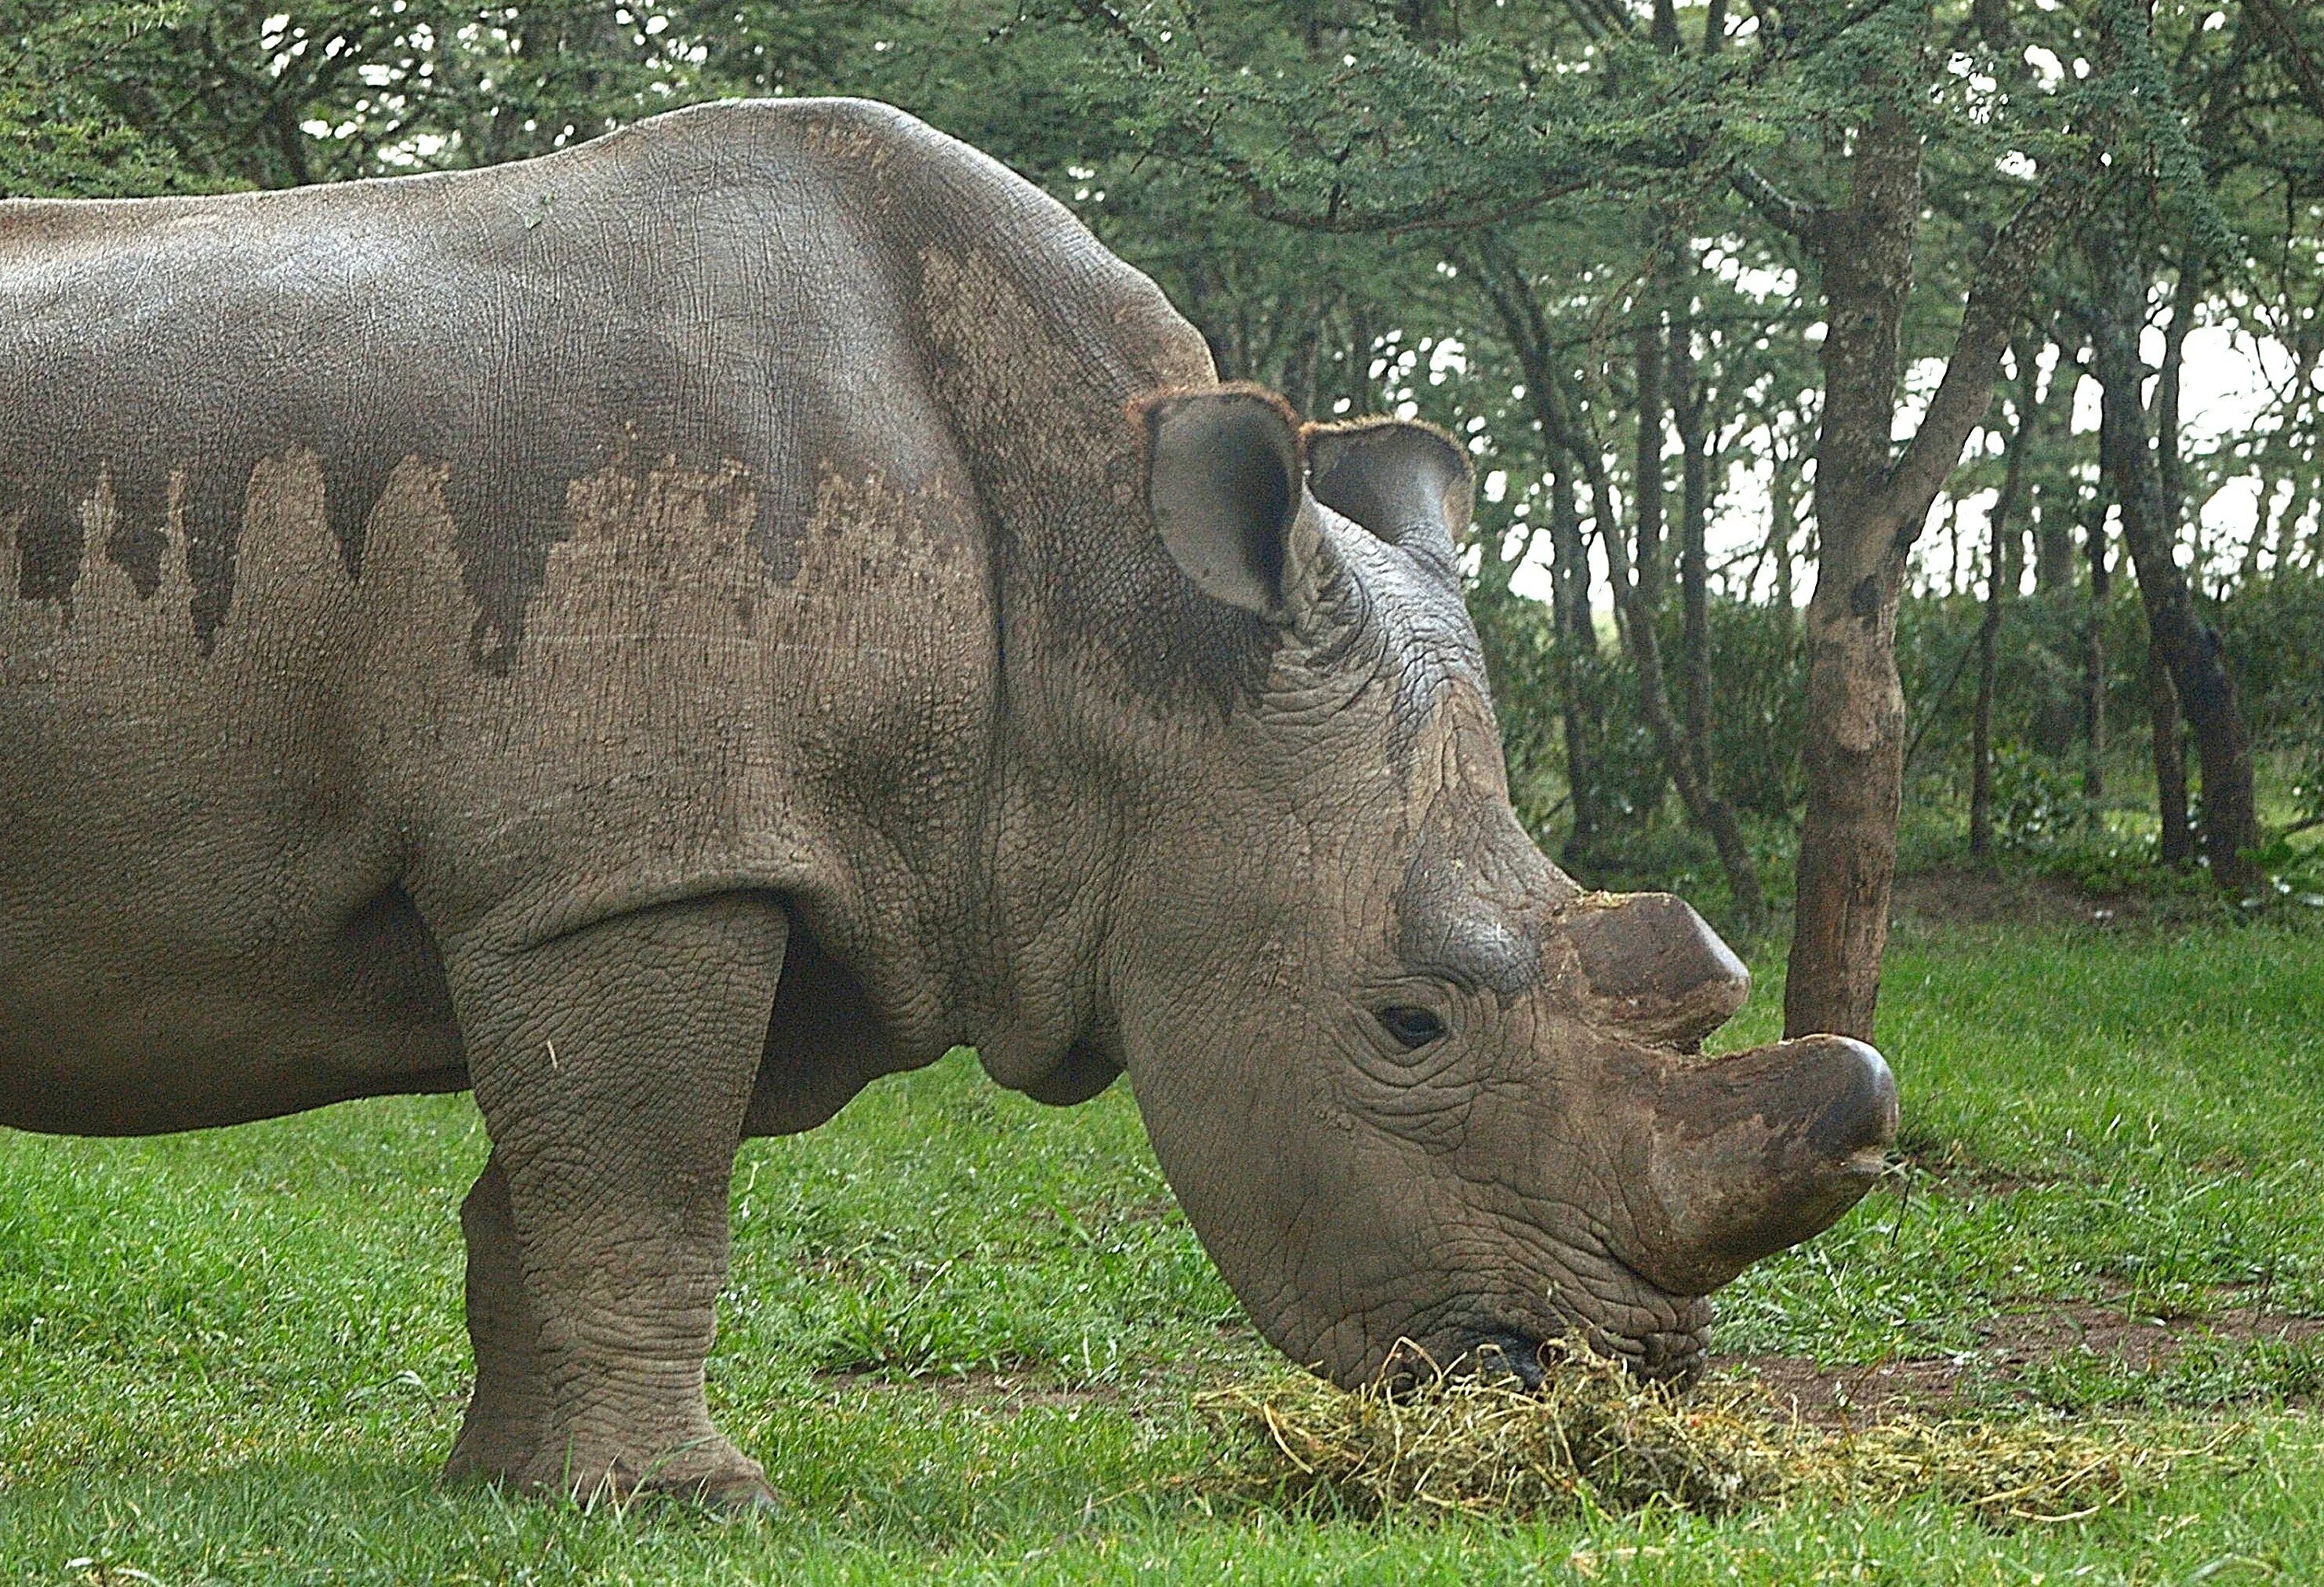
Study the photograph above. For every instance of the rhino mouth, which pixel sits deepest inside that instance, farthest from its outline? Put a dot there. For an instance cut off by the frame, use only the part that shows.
(1661, 1336)
(1664, 1355)
(1667, 1340)
(1673, 1356)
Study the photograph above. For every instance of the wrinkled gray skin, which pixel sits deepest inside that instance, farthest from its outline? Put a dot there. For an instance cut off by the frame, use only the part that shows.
(666, 632)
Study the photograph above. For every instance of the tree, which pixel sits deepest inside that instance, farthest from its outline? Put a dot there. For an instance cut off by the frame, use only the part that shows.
(2190, 647)
(2000, 576)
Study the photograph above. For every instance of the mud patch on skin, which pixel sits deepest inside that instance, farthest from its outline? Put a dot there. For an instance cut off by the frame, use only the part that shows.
(2015, 1345)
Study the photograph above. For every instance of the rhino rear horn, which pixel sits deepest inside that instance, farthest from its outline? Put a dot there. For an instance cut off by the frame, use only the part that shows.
(1408, 483)
(1224, 474)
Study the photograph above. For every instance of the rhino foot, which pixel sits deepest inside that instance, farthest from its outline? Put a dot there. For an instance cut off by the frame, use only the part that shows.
(710, 1472)
(485, 1459)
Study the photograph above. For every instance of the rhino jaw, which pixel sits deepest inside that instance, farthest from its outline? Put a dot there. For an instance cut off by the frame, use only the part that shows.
(1752, 1154)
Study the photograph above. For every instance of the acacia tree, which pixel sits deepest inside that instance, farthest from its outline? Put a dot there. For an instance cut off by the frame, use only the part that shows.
(2189, 648)
(1872, 498)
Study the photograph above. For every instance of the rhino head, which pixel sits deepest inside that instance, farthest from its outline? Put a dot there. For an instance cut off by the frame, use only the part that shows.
(1419, 1094)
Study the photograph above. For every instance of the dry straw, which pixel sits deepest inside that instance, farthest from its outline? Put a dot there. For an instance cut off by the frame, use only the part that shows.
(1593, 1437)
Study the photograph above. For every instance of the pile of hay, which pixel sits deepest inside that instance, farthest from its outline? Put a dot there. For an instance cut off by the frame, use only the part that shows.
(1593, 1435)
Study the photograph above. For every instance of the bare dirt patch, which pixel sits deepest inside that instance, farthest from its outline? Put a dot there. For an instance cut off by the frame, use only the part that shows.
(1936, 899)
(1839, 1396)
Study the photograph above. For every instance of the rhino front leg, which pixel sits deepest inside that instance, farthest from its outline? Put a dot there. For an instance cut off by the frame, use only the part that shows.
(509, 1408)
(613, 1066)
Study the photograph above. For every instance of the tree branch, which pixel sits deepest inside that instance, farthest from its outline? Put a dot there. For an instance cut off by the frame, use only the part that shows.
(1997, 298)
(1803, 220)
(2300, 65)
(1118, 25)
(1614, 14)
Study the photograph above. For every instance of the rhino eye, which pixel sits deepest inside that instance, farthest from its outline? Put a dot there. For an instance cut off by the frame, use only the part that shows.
(1412, 1028)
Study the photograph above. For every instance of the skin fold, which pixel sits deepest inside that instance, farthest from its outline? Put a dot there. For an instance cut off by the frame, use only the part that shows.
(663, 634)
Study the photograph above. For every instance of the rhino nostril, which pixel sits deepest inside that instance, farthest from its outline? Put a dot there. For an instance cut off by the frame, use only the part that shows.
(1511, 1355)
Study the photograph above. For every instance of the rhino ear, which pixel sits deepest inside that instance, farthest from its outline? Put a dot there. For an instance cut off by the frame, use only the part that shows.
(1408, 483)
(1224, 479)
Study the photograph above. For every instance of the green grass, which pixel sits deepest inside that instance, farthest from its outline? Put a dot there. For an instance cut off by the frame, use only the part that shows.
(963, 1330)
(2124, 1116)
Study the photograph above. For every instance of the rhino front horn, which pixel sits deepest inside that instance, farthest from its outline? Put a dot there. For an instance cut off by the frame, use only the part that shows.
(1755, 1153)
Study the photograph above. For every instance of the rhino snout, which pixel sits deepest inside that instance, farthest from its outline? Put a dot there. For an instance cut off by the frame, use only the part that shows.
(1752, 1154)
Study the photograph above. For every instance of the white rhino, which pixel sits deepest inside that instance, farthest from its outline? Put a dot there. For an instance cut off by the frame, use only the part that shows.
(664, 633)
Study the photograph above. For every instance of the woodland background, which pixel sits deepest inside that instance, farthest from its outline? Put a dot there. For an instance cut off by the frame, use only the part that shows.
(1889, 301)
(1993, 326)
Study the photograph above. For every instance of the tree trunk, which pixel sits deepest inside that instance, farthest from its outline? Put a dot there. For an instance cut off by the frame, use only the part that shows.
(2177, 845)
(1785, 524)
(1853, 748)
(1296, 380)
(2283, 529)
(1999, 580)
(1956, 576)
(2056, 511)
(2178, 839)
(1980, 737)
(2190, 646)
(1577, 650)
(1647, 482)
(2053, 536)
(1708, 807)
(1570, 571)
(1694, 552)
(1869, 510)
(2295, 512)
(2094, 653)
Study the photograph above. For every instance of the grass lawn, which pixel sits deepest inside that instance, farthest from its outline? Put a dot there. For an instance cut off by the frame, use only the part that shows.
(963, 1330)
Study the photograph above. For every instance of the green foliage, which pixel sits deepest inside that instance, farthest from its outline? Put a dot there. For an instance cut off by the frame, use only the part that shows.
(154, 96)
(2038, 807)
(1762, 682)
(59, 134)
(1389, 127)
(2273, 631)
(2294, 877)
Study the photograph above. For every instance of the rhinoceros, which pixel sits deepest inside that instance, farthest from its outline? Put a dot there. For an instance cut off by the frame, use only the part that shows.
(661, 635)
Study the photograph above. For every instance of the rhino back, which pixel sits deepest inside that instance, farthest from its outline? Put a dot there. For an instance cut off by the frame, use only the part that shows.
(477, 552)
